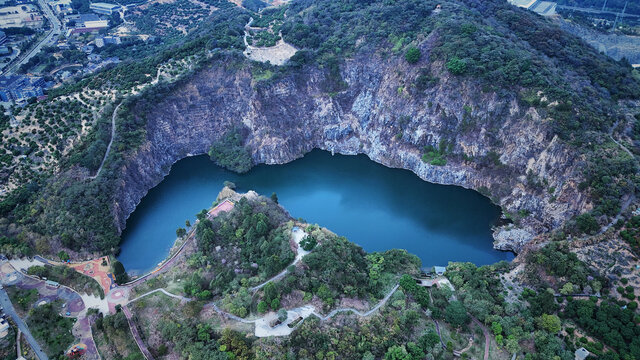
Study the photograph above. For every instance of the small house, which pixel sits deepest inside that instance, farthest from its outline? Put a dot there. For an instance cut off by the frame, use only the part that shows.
(4, 328)
(439, 270)
(581, 354)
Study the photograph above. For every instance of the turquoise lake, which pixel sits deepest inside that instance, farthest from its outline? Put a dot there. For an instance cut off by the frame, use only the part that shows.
(378, 208)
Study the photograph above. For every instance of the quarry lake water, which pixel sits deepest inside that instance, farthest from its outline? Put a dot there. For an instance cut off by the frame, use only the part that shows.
(378, 208)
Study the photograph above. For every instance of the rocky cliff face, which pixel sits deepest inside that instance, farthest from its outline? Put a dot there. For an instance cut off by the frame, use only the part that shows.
(290, 116)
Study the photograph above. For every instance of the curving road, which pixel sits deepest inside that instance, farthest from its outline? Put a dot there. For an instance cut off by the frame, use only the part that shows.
(596, 11)
(9, 310)
(56, 27)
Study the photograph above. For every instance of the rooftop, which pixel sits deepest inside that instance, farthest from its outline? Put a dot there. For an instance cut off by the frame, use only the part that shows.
(105, 5)
(522, 3)
(89, 17)
(581, 354)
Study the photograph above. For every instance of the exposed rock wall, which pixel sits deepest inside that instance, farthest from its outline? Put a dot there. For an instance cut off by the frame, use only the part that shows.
(290, 116)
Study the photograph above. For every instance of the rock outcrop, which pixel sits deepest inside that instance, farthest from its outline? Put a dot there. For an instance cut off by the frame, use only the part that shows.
(495, 141)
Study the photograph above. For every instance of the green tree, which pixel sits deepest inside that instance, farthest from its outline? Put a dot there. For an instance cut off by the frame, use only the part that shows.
(275, 304)
(180, 232)
(428, 341)
(456, 314)
(587, 224)
(496, 327)
(274, 197)
(550, 323)
(262, 307)
(567, 289)
(412, 55)
(308, 243)
(415, 351)
(63, 255)
(230, 152)
(456, 66)
(397, 352)
(282, 315)
(118, 272)
(543, 303)
(512, 345)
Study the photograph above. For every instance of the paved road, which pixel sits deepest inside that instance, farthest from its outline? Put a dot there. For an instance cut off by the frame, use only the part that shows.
(595, 11)
(9, 310)
(56, 27)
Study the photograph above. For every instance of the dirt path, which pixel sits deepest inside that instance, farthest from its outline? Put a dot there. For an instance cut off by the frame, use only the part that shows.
(179, 297)
(486, 336)
(136, 335)
(113, 134)
(365, 314)
(439, 335)
(298, 235)
(263, 329)
(460, 352)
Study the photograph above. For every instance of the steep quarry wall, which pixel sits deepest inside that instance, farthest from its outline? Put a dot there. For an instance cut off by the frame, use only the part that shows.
(294, 114)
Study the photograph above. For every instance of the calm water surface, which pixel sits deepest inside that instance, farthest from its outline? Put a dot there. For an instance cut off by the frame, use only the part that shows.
(374, 206)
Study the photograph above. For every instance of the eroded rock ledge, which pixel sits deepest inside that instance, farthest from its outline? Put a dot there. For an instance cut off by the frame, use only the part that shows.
(289, 117)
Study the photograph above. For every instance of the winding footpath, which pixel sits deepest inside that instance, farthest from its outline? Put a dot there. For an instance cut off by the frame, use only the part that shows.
(298, 235)
(136, 335)
(361, 314)
(439, 335)
(179, 297)
(263, 330)
(113, 135)
(486, 336)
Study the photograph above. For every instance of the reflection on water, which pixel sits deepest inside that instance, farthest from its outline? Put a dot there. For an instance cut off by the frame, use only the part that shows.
(374, 206)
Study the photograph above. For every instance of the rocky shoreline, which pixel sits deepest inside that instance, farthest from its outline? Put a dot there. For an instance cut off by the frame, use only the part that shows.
(288, 117)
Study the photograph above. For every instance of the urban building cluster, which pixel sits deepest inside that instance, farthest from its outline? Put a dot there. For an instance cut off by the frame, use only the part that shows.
(19, 88)
(76, 30)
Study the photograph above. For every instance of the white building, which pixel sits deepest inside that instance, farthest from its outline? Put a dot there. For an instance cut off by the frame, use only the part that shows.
(581, 354)
(102, 41)
(104, 8)
(544, 8)
(62, 7)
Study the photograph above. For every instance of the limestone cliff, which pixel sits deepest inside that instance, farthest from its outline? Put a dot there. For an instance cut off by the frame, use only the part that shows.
(292, 115)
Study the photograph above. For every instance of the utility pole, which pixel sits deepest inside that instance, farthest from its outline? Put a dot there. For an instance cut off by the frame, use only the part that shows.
(618, 15)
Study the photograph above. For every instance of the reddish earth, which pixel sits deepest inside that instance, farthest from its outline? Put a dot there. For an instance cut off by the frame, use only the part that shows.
(95, 269)
(225, 206)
